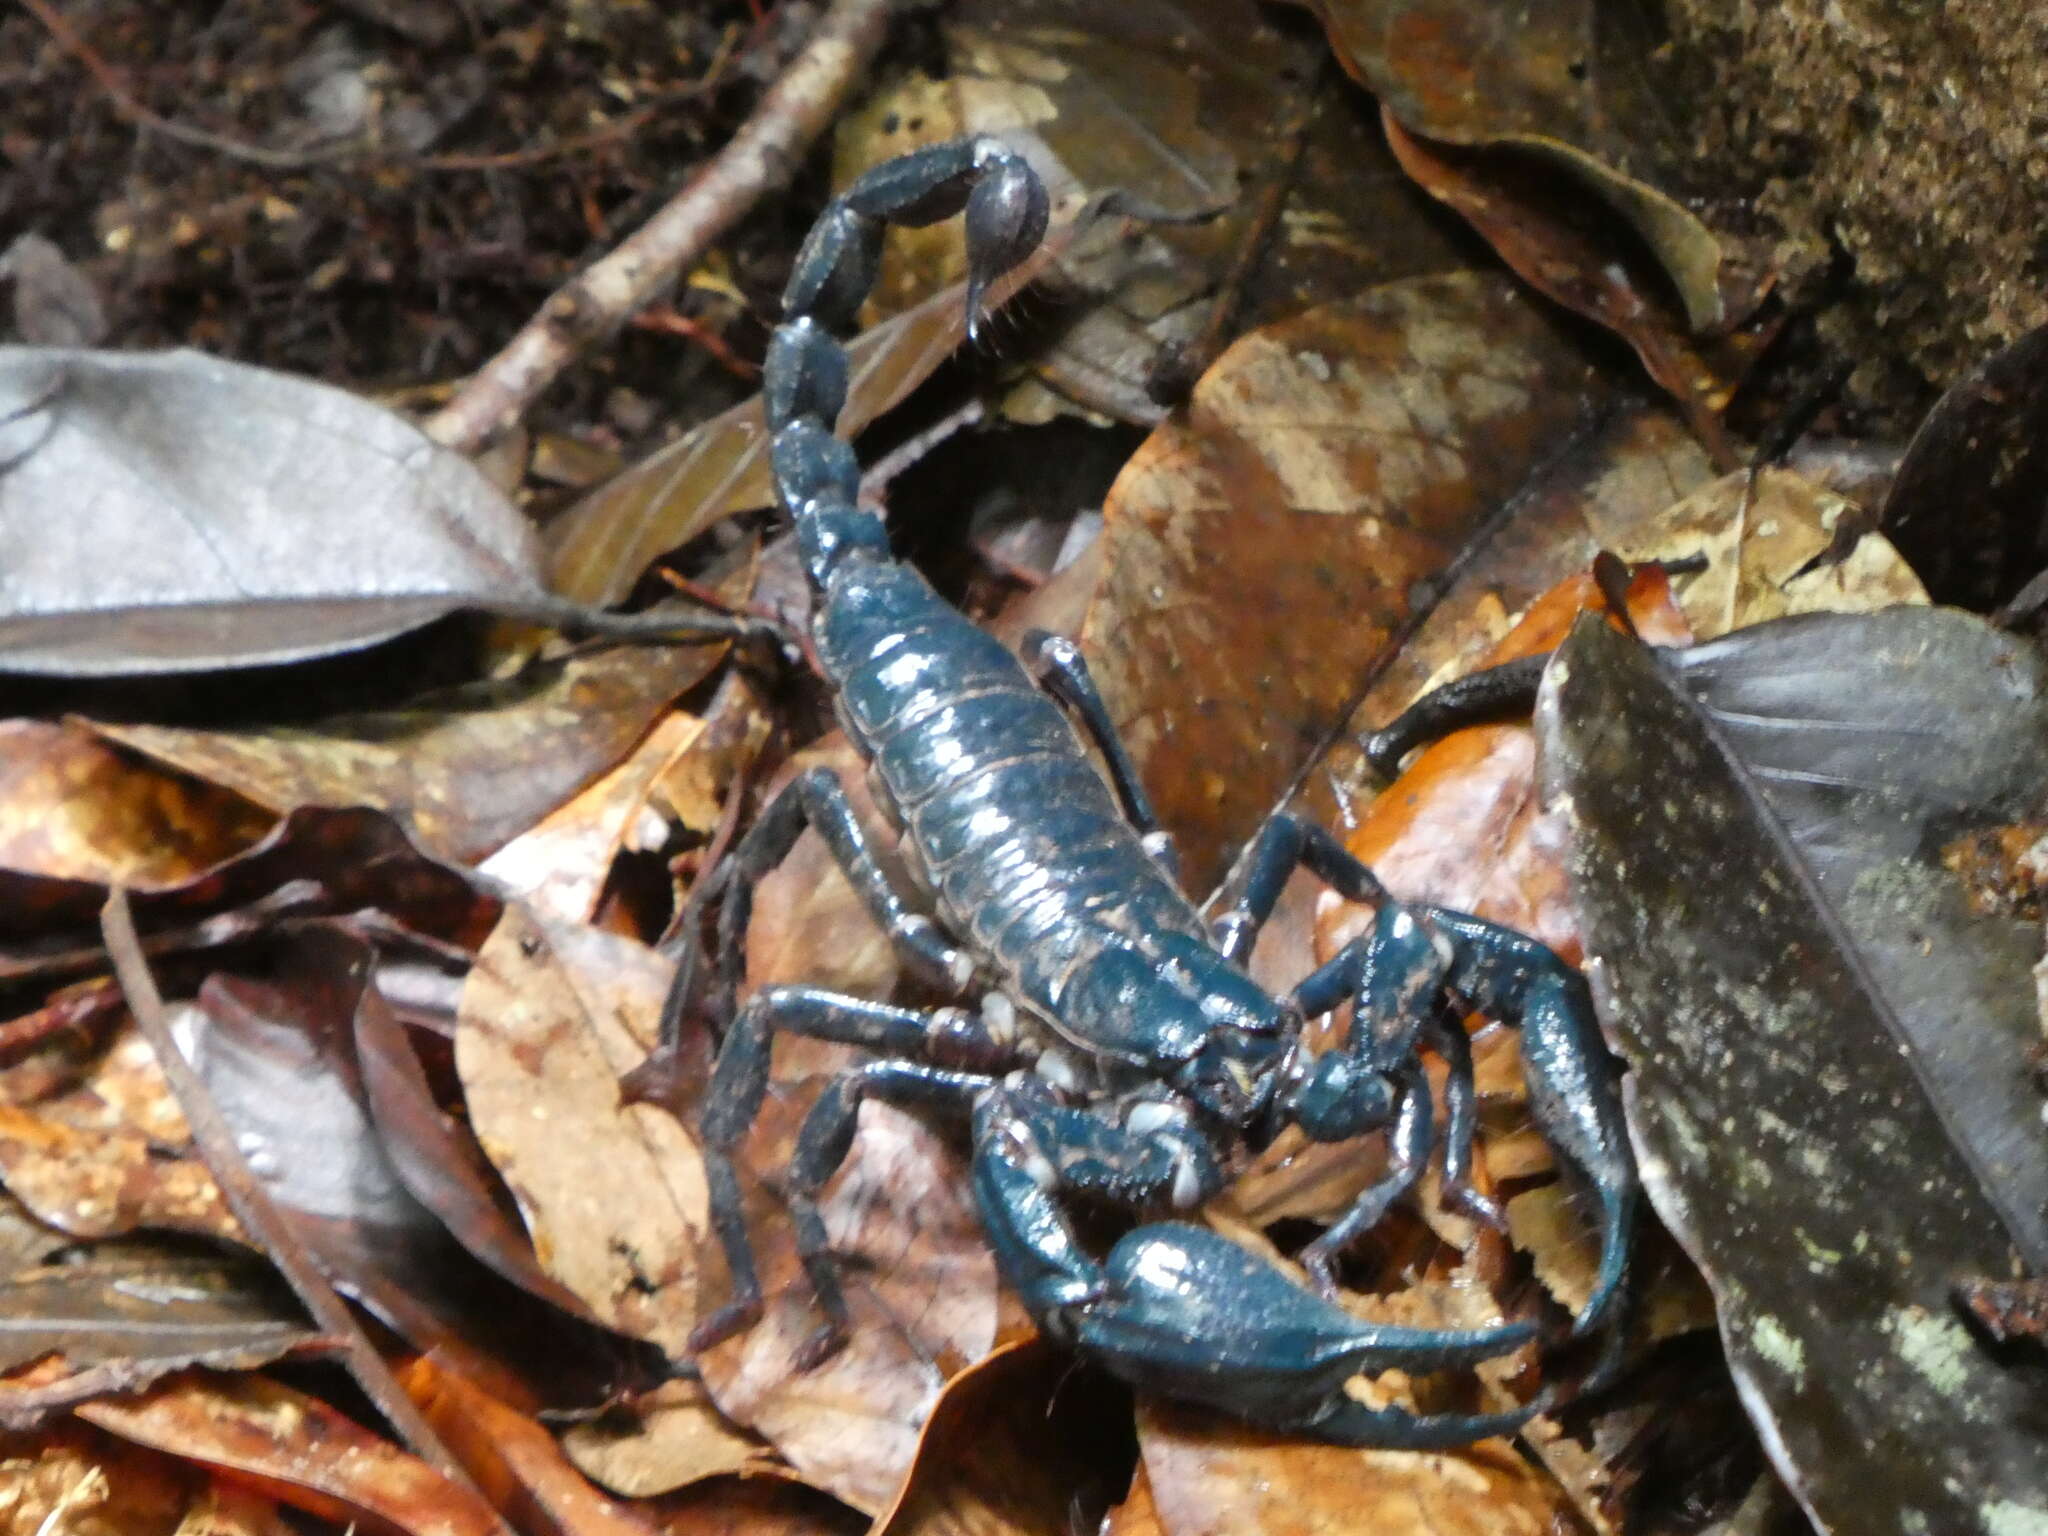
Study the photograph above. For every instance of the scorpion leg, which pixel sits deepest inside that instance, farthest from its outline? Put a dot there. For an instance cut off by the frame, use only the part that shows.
(1503, 692)
(1446, 1034)
(1060, 668)
(822, 1145)
(1284, 843)
(739, 1081)
(1408, 1143)
(818, 799)
(1572, 1092)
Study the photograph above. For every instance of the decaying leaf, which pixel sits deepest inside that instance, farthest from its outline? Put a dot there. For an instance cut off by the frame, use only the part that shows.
(465, 772)
(559, 865)
(313, 863)
(513, 1461)
(69, 1479)
(658, 1441)
(1209, 1477)
(598, 549)
(298, 1450)
(1788, 1139)
(1263, 551)
(257, 517)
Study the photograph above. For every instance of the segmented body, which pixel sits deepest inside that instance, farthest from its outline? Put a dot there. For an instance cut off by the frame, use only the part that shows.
(1012, 826)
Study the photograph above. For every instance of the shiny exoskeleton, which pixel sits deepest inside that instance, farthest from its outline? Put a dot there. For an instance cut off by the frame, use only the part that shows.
(1120, 1054)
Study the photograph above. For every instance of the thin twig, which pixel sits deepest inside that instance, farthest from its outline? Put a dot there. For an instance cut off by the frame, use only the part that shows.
(130, 107)
(759, 158)
(258, 1213)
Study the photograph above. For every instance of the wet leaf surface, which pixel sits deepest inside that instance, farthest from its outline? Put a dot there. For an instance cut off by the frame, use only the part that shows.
(298, 1450)
(1325, 467)
(185, 464)
(1970, 505)
(464, 772)
(1770, 1098)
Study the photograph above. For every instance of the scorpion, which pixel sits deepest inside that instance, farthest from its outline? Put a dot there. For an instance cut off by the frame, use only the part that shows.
(1121, 1055)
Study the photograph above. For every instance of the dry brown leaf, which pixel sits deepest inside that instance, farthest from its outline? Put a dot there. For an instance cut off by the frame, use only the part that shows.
(1138, 1515)
(662, 1440)
(1574, 84)
(1327, 467)
(552, 1016)
(559, 866)
(756, 1506)
(296, 1449)
(75, 808)
(464, 771)
(1210, 1477)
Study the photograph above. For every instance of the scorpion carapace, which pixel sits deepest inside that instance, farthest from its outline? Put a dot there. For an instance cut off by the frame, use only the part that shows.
(1120, 1054)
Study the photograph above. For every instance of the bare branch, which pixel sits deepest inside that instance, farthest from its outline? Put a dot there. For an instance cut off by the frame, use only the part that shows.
(759, 158)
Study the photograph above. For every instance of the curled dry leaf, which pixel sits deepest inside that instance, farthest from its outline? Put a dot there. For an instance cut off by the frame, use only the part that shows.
(73, 807)
(600, 547)
(1574, 84)
(440, 765)
(313, 863)
(1542, 227)
(922, 1288)
(552, 1016)
(1326, 467)
(260, 517)
(297, 1450)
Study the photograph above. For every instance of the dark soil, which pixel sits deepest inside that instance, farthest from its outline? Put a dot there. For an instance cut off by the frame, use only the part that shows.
(1901, 147)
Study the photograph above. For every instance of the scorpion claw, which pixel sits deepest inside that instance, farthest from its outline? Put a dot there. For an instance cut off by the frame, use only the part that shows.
(1191, 1315)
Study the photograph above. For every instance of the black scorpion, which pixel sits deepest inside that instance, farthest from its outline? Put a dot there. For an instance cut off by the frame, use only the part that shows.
(1121, 1055)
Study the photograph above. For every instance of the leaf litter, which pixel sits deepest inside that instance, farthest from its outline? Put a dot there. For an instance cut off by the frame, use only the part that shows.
(1449, 451)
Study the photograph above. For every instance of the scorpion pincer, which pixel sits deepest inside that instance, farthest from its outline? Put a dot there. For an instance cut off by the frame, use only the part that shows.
(1121, 1055)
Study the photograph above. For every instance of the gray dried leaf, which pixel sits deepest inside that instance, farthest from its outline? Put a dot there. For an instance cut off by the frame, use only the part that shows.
(168, 512)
